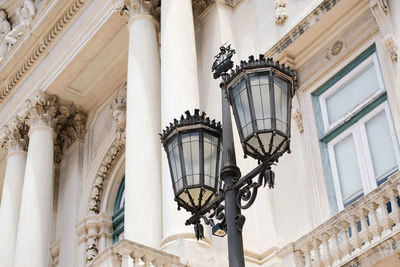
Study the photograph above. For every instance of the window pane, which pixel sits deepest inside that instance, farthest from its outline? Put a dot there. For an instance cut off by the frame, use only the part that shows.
(191, 152)
(352, 93)
(260, 93)
(380, 144)
(281, 101)
(347, 167)
(243, 109)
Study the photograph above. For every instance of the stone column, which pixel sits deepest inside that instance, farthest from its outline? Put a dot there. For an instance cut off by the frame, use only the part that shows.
(33, 238)
(143, 154)
(179, 92)
(14, 139)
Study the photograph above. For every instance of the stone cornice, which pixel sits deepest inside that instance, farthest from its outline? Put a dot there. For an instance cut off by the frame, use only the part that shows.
(48, 39)
(133, 8)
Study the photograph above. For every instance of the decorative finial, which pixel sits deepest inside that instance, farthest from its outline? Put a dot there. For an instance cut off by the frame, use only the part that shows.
(223, 61)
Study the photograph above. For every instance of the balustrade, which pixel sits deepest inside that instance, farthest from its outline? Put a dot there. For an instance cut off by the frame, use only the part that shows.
(356, 229)
(126, 253)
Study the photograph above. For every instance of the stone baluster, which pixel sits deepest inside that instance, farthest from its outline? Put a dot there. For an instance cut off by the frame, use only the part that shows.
(328, 259)
(395, 214)
(355, 239)
(317, 253)
(365, 234)
(126, 260)
(136, 256)
(307, 255)
(375, 227)
(386, 221)
(346, 246)
(336, 251)
(14, 139)
(299, 255)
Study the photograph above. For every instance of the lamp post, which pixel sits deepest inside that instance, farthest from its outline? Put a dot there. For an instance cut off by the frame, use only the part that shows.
(260, 93)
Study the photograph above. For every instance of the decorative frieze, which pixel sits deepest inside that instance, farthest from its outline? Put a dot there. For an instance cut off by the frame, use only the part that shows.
(14, 136)
(132, 8)
(280, 11)
(25, 14)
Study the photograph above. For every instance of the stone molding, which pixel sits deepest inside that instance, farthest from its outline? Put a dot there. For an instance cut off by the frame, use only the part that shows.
(14, 136)
(133, 8)
(94, 230)
(280, 11)
(55, 252)
(103, 173)
(47, 41)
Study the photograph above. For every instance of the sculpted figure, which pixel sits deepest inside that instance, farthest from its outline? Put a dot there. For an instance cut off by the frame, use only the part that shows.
(25, 14)
(5, 28)
(280, 11)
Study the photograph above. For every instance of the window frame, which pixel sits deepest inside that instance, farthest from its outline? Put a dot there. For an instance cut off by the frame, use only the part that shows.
(349, 122)
(118, 218)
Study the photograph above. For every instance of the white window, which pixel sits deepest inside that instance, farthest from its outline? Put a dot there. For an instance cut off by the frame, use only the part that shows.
(358, 140)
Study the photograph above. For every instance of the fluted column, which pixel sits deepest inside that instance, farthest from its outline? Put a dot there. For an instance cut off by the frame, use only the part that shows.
(14, 139)
(179, 92)
(143, 154)
(33, 238)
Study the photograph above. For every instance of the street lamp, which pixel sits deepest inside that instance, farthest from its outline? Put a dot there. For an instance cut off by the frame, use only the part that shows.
(260, 93)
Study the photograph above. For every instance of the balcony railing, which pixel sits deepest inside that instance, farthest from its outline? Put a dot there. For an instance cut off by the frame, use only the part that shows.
(353, 233)
(126, 253)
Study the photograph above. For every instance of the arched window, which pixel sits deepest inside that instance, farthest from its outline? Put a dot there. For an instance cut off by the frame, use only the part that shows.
(119, 213)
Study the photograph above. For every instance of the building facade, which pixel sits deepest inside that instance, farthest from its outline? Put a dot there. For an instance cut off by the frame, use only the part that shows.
(87, 86)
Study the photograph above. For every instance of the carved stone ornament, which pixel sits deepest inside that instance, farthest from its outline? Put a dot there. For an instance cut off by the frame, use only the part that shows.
(299, 120)
(384, 5)
(14, 136)
(280, 11)
(337, 47)
(118, 107)
(203, 4)
(91, 248)
(67, 121)
(25, 14)
(392, 47)
(5, 28)
(232, 3)
(133, 8)
(103, 173)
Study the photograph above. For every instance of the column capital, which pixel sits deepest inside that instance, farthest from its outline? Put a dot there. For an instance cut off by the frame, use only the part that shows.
(40, 111)
(14, 136)
(133, 8)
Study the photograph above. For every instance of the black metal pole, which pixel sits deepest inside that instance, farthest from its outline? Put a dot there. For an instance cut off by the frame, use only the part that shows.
(230, 173)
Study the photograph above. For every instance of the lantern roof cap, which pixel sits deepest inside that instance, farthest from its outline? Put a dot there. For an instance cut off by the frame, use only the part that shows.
(261, 62)
(190, 119)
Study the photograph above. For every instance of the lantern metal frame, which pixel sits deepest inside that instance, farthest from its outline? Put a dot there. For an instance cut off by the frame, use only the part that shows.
(239, 192)
(196, 123)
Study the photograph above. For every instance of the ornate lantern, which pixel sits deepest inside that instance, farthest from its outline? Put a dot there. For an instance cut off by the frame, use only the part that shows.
(260, 92)
(193, 147)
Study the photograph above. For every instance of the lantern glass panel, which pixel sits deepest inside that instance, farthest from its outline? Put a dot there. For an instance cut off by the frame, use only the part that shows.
(241, 101)
(262, 104)
(175, 164)
(191, 156)
(281, 92)
(210, 159)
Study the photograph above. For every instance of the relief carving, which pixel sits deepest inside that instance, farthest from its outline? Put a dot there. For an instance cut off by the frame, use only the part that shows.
(5, 28)
(25, 14)
(280, 11)
(14, 136)
(299, 120)
(392, 47)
